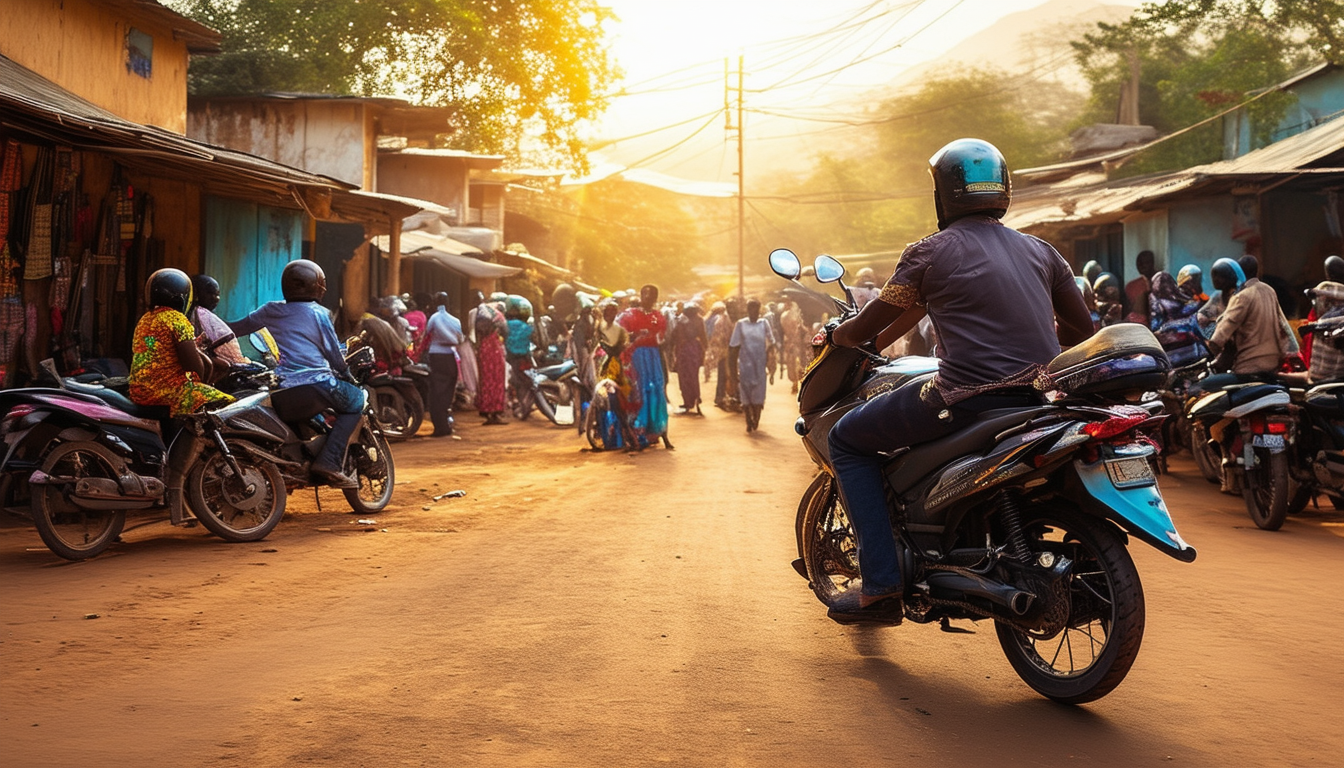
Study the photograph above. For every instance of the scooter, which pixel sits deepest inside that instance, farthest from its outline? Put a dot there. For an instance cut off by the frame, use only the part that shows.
(1022, 517)
(83, 455)
(1243, 434)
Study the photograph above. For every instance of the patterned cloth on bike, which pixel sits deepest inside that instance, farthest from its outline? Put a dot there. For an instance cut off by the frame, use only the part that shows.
(1327, 360)
(1173, 320)
(614, 342)
(157, 376)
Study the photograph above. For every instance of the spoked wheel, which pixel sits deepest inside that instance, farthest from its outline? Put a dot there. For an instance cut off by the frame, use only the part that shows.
(830, 548)
(67, 530)
(1206, 457)
(399, 416)
(234, 508)
(601, 424)
(1266, 493)
(369, 461)
(1093, 653)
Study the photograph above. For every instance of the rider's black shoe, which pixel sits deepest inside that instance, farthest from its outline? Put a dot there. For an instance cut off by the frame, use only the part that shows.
(848, 608)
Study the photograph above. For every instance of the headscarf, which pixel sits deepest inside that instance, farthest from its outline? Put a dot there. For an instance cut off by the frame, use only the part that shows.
(1091, 271)
(1236, 271)
(1165, 287)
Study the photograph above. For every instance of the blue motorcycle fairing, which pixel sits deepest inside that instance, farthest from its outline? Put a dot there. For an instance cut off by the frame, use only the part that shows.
(554, 372)
(1140, 511)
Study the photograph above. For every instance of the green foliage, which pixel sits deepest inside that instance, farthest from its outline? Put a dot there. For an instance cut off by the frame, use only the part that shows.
(1199, 58)
(621, 234)
(884, 197)
(514, 68)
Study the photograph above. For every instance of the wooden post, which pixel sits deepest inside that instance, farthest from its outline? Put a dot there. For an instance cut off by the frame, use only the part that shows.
(392, 285)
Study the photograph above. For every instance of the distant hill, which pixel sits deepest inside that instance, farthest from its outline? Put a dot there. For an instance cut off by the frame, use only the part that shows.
(1036, 39)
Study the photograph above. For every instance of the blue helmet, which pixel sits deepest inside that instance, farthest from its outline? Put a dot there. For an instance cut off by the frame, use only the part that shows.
(969, 176)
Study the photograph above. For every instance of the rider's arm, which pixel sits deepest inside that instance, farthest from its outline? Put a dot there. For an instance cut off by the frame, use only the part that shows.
(874, 318)
(192, 360)
(908, 319)
(331, 346)
(1075, 321)
(1229, 322)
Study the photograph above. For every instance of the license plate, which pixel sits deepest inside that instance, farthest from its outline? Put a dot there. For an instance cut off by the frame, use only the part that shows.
(1130, 473)
(1272, 442)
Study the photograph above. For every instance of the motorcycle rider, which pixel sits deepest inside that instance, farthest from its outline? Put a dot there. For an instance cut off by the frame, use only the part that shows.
(994, 296)
(168, 368)
(1254, 325)
(220, 343)
(311, 360)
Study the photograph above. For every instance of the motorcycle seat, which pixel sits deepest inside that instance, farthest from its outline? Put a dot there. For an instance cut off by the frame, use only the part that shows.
(1245, 394)
(906, 470)
(119, 401)
(554, 372)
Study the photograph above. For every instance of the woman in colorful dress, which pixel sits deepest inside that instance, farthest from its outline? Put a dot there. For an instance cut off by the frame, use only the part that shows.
(1173, 320)
(647, 328)
(167, 368)
(491, 367)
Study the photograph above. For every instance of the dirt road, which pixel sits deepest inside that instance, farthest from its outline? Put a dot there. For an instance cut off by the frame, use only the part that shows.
(579, 609)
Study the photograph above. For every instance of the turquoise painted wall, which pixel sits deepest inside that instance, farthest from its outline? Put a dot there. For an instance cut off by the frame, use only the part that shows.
(246, 247)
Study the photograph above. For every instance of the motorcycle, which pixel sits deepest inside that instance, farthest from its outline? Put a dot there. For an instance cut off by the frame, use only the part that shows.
(286, 435)
(397, 403)
(554, 390)
(1316, 461)
(1243, 433)
(1021, 517)
(84, 455)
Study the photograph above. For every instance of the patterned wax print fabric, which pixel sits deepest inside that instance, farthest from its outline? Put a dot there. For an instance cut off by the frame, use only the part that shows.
(491, 396)
(650, 421)
(752, 340)
(1173, 320)
(157, 377)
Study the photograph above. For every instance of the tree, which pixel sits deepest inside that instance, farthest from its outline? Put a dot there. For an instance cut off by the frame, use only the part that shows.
(881, 192)
(1199, 58)
(519, 71)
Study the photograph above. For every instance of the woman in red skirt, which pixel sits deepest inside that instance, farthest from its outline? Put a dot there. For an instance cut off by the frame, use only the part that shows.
(489, 323)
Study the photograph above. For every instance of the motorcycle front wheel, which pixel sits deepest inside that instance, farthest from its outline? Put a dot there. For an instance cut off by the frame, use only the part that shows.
(67, 530)
(369, 461)
(399, 415)
(1266, 492)
(1093, 653)
(236, 509)
(830, 550)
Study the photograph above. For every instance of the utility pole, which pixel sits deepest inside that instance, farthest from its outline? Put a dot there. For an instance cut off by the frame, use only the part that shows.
(737, 129)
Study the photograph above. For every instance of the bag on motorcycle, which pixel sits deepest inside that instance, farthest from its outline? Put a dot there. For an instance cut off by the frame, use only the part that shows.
(1121, 359)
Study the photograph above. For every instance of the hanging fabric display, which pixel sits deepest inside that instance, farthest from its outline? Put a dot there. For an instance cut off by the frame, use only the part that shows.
(11, 304)
(38, 256)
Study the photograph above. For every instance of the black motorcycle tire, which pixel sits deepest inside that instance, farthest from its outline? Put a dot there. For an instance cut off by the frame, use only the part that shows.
(208, 489)
(399, 416)
(544, 404)
(369, 461)
(830, 549)
(1206, 458)
(1299, 496)
(1266, 491)
(819, 484)
(1102, 568)
(67, 530)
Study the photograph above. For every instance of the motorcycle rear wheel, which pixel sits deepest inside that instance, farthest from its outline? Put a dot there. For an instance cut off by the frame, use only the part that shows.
(67, 530)
(1094, 652)
(830, 549)
(1266, 492)
(222, 504)
(399, 416)
(369, 461)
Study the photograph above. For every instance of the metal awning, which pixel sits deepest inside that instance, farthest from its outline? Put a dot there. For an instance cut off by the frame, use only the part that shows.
(447, 253)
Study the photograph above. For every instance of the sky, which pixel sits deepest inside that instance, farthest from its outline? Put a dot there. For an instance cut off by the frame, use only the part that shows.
(803, 58)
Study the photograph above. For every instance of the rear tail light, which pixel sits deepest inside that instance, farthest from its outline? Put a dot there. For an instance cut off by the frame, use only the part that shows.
(1262, 425)
(1115, 426)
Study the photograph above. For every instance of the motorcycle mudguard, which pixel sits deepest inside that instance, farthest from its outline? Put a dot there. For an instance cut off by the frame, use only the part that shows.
(182, 456)
(1139, 511)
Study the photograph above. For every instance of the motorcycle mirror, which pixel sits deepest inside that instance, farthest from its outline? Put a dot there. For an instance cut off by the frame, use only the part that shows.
(784, 263)
(828, 269)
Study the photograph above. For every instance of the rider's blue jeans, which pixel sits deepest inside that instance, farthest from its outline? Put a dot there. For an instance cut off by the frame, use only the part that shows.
(889, 421)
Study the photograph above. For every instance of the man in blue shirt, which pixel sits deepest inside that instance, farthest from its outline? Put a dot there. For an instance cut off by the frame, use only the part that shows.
(443, 333)
(311, 358)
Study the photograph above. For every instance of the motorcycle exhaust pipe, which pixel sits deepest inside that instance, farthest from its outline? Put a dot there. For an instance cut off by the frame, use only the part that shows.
(955, 585)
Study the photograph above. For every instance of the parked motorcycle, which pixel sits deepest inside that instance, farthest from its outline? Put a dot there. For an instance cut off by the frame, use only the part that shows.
(84, 455)
(395, 398)
(1020, 518)
(1242, 433)
(554, 391)
(286, 434)
(1316, 457)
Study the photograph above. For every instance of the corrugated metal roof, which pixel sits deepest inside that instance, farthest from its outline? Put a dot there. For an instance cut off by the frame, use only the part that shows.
(448, 253)
(1104, 202)
(32, 104)
(198, 37)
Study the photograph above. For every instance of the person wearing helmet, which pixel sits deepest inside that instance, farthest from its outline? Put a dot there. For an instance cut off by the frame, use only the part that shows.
(220, 343)
(1334, 273)
(1254, 326)
(311, 360)
(1191, 281)
(1227, 279)
(994, 296)
(168, 368)
(1106, 291)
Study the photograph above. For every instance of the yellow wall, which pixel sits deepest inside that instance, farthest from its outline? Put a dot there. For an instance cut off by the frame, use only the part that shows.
(81, 47)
